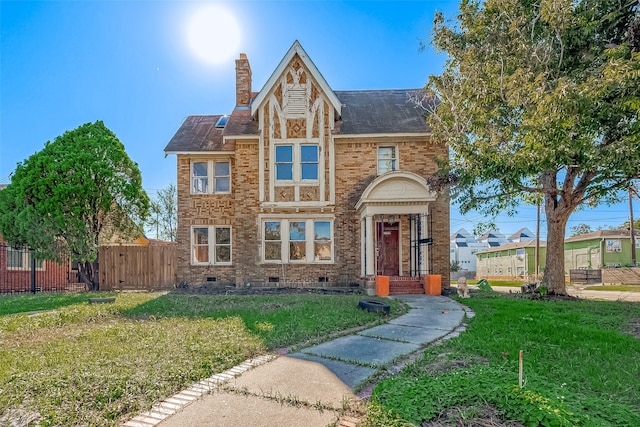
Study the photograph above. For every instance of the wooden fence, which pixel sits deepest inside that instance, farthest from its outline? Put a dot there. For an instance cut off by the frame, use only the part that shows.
(585, 276)
(136, 267)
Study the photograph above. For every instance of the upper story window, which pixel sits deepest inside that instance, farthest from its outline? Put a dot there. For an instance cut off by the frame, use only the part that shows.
(209, 177)
(297, 162)
(387, 159)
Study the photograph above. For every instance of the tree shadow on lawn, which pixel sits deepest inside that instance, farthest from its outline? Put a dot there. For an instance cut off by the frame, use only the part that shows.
(14, 304)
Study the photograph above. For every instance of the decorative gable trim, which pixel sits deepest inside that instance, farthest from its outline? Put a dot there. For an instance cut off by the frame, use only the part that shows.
(273, 80)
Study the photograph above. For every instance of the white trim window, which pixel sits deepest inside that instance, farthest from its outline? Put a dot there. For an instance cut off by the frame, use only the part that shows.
(20, 259)
(297, 162)
(387, 159)
(296, 241)
(210, 177)
(211, 245)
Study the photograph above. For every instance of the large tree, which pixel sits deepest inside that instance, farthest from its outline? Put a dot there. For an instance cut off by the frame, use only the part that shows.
(539, 99)
(80, 189)
(163, 217)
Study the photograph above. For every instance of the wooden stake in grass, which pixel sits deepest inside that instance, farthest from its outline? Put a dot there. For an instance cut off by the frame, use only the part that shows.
(520, 371)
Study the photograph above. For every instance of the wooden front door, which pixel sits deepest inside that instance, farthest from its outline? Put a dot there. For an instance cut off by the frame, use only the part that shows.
(387, 249)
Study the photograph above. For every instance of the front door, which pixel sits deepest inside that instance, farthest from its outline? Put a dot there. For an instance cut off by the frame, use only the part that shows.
(387, 249)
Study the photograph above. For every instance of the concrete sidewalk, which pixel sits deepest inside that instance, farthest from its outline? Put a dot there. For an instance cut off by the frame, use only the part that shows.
(312, 387)
(580, 292)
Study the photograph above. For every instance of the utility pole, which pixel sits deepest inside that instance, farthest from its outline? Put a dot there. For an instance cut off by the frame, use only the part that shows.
(538, 241)
(631, 227)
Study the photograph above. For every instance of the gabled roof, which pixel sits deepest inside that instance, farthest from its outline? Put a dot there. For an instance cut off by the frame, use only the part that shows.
(296, 48)
(380, 111)
(602, 234)
(523, 233)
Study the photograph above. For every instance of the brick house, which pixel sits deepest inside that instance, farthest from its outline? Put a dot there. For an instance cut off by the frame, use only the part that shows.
(305, 186)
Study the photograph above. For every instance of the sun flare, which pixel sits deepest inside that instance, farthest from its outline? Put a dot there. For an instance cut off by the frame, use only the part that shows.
(213, 34)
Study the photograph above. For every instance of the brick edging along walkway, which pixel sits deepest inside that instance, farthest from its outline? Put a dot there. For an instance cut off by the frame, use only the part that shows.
(169, 406)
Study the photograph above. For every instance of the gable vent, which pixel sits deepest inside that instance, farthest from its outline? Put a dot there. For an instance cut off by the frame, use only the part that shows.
(297, 102)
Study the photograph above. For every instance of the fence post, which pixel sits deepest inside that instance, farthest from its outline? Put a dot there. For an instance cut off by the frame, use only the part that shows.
(33, 272)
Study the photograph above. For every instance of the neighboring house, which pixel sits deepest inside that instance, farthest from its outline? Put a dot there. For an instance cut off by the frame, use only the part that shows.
(512, 261)
(493, 238)
(16, 272)
(522, 235)
(463, 249)
(302, 185)
(600, 249)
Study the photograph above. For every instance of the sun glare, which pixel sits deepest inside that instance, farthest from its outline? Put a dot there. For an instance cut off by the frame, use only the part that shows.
(213, 34)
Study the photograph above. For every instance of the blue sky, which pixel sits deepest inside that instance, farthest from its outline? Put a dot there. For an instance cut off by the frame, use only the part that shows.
(129, 63)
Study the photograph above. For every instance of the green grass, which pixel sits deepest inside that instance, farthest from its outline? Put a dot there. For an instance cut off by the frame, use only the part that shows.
(66, 362)
(581, 366)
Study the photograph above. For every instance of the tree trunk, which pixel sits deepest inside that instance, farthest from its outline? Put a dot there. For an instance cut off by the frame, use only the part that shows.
(554, 265)
(89, 274)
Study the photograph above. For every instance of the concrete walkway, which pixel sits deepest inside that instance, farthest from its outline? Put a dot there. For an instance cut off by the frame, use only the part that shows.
(314, 386)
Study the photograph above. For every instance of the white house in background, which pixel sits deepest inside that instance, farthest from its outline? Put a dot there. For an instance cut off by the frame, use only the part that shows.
(463, 249)
(493, 238)
(522, 235)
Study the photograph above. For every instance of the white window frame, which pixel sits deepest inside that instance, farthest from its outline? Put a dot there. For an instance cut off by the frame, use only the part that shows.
(211, 176)
(310, 241)
(395, 160)
(212, 245)
(296, 147)
(25, 258)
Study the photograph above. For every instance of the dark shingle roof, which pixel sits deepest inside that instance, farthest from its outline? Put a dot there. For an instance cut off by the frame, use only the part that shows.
(198, 133)
(363, 112)
(380, 111)
(241, 123)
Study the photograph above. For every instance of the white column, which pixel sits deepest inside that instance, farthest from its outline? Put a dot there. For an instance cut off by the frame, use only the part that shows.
(369, 246)
(363, 251)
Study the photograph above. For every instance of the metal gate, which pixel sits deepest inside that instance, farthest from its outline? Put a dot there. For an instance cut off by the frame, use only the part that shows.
(421, 255)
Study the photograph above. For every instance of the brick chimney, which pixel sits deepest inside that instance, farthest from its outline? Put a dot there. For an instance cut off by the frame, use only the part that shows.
(243, 81)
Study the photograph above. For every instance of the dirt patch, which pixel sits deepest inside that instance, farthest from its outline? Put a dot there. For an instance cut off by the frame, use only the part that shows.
(634, 328)
(260, 290)
(485, 416)
(443, 363)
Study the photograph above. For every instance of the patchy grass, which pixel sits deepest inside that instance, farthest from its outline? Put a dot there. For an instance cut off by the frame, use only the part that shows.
(66, 362)
(580, 367)
(510, 283)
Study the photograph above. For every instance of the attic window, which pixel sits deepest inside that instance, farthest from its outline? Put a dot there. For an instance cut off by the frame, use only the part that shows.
(296, 102)
(222, 121)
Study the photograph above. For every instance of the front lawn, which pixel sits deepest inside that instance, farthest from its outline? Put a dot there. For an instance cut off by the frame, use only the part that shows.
(581, 368)
(66, 362)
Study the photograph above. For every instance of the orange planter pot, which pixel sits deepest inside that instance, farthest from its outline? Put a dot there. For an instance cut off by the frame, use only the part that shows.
(382, 286)
(433, 284)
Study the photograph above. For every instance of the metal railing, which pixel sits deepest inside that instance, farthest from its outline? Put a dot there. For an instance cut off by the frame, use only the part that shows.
(21, 272)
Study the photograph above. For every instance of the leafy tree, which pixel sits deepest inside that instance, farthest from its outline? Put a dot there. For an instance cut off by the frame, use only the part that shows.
(64, 199)
(576, 230)
(538, 98)
(163, 218)
(625, 225)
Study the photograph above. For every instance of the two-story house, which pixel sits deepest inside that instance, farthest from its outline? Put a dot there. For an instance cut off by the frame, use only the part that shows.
(302, 185)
